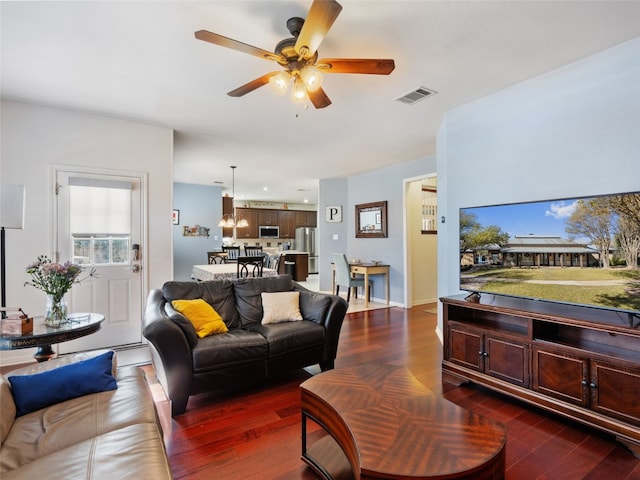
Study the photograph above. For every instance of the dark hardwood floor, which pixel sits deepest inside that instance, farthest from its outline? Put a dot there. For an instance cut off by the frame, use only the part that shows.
(255, 434)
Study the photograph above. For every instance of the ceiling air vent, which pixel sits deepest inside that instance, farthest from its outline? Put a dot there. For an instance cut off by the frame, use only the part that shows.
(416, 95)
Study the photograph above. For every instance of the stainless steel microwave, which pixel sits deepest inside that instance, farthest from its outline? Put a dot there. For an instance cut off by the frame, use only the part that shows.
(269, 231)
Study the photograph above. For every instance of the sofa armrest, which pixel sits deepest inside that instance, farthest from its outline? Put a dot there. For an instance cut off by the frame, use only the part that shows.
(170, 352)
(335, 314)
(331, 320)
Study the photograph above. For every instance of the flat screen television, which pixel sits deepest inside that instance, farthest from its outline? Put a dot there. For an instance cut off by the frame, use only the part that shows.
(582, 251)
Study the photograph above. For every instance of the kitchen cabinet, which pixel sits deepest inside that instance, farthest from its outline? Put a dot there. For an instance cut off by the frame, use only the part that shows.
(287, 223)
(227, 209)
(251, 215)
(306, 218)
(267, 217)
(576, 361)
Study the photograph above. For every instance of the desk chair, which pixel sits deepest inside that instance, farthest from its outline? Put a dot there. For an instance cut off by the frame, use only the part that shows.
(232, 253)
(215, 258)
(344, 277)
(250, 266)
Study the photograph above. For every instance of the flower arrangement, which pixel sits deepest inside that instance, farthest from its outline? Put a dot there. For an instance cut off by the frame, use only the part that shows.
(54, 279)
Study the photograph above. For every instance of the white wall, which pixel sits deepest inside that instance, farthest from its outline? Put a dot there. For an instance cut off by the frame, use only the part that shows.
(574, 131)
(35, 137)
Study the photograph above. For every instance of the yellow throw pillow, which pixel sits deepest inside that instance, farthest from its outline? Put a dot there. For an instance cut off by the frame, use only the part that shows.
(204, 318)
(280, 307)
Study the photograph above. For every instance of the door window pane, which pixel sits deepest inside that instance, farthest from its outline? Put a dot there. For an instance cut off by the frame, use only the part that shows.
(100, 222)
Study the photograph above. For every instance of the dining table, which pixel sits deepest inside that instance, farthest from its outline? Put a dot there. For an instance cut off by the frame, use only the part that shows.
(219, 271)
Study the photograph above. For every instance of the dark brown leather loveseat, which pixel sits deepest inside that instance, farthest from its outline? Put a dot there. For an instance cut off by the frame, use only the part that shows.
(187, 365)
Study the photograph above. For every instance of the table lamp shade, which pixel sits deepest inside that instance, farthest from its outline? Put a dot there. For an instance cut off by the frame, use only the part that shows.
(12, 206)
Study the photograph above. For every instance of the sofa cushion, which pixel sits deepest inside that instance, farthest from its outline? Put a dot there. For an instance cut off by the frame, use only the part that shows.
(217, 293)
(248, 295)
(280, 307)
(133, 451)
(65, 424)
(33, 392)
(234, 347)
(202, 315)
(7, 408)
(313, 306)
(290, 336)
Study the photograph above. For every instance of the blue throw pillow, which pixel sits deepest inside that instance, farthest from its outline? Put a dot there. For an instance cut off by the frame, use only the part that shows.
(33, 392)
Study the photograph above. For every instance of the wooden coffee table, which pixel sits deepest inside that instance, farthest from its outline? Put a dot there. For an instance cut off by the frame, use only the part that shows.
(379, 421)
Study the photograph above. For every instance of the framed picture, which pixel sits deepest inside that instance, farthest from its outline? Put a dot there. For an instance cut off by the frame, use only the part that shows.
(333, 214)
(371, 220)
(175, 218)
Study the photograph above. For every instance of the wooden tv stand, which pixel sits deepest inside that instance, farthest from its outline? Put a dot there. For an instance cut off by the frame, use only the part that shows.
(579, 362)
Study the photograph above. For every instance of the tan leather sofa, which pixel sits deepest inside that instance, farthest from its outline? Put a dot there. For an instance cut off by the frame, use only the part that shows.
(112, 434)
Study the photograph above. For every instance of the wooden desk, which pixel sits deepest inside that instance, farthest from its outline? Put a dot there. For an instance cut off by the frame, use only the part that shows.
(43, 336)
(365, 269)
(379, 422)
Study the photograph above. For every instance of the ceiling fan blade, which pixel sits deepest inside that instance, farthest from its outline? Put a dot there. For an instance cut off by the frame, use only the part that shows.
(319, 98)
(321, 16)
(356, 65)
(252, 85)
(236, 45)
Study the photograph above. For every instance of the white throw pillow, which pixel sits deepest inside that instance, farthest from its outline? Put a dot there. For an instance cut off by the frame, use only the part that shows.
(280, 307)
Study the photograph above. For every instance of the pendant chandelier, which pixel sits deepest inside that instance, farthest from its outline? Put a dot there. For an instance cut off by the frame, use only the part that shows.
(231, 220)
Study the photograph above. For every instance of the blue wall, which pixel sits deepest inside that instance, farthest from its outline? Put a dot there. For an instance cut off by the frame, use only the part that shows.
(378, 185)
(572, 132)
(198, 205)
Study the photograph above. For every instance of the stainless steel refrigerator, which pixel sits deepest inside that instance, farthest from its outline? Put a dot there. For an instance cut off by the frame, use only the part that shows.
(306, 242)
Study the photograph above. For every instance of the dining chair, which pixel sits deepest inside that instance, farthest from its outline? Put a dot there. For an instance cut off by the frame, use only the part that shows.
(250, 266)
(253, 251)
(344, 277)
(232, 253)
(272, 262)
(216, 258)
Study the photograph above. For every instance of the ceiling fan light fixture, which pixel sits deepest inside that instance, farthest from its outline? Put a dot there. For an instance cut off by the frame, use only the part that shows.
(279, 82)
(299, 90)
(311, 78)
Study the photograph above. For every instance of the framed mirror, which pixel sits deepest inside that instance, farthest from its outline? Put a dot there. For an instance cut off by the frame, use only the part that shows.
(371, 220)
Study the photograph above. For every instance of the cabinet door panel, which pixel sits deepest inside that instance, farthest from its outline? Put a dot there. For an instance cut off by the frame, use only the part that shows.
(616, 391)
(561, 376)
(465, 347)
(507, 359)
(268, 217)
(286, 220)
(251, 216)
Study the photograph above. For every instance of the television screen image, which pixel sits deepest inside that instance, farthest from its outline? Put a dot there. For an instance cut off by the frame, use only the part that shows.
(581, 251)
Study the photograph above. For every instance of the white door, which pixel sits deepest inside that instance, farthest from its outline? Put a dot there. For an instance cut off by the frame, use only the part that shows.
(99, 225)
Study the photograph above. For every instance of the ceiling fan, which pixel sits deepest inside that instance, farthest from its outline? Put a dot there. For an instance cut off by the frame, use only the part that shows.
(299, 57)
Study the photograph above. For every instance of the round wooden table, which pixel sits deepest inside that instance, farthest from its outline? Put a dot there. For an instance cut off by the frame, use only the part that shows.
(43, 336)
(382, 423)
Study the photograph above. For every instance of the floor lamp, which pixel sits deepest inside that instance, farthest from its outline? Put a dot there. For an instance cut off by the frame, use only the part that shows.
(11, 216)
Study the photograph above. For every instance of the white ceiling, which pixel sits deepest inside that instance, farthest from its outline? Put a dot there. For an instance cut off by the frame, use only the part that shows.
(139, 60)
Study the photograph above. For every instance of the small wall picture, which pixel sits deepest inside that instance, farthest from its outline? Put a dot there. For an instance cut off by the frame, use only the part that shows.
(175, 218)
(333, 214)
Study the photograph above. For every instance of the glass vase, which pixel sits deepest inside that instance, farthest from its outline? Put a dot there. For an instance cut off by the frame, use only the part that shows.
(56, 312)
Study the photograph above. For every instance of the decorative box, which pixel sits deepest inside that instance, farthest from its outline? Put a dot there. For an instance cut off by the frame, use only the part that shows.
(16, 324)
